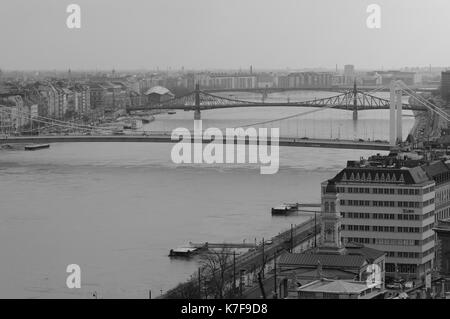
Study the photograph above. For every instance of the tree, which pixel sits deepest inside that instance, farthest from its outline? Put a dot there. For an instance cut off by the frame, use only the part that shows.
(186, 290)
(216, 266)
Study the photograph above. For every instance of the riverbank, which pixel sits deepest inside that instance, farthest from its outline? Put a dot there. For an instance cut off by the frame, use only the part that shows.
(12, 147)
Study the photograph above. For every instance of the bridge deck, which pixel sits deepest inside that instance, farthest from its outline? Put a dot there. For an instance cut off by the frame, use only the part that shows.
(166, 138)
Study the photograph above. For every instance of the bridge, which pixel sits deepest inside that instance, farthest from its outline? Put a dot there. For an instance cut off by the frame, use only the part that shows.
(165, 137)
(353, 100)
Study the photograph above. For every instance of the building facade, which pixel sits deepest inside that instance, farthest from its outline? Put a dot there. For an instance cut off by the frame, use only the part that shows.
(389, 207)
(445, 85)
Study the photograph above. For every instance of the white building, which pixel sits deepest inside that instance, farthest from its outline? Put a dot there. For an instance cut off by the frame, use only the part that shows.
(388, 205)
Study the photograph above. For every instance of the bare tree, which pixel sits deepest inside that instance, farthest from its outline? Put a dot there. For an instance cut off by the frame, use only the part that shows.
(186, 290)
(216, 267)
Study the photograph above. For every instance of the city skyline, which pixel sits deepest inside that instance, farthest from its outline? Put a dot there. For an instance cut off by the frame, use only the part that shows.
(205, 34)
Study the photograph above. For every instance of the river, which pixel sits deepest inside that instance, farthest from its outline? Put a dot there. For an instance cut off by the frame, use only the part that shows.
(117, 209)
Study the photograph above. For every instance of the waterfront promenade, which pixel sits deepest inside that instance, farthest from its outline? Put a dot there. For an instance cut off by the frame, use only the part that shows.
(249, 264)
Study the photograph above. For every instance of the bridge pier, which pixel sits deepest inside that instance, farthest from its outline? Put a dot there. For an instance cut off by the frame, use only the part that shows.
(395, 114)
(355, 102)
(399, 116)
(197, 115)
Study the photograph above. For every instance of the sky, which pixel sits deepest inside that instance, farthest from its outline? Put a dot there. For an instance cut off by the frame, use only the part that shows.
(223, 34)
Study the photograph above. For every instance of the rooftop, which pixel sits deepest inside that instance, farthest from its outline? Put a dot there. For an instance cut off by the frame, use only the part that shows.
(335, 286)
(401, 168)
(158, 90)
(326, 260)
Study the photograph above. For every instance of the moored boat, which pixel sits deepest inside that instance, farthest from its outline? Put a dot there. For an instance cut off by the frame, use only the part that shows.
(285, 209)
(36, 147)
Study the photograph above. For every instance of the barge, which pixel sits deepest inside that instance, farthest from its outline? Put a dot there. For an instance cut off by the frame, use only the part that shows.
(187, 251)
(36, 147)
(285, 209)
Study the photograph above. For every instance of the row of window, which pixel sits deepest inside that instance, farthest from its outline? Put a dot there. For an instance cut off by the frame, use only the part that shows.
(376, 203)
(402, 242)
(388, 229)
(391, 216)
(392, 254)
(401, 268)
(385, 191)
(396, 242)
(442, 195)
(405, 268)
(443, 214)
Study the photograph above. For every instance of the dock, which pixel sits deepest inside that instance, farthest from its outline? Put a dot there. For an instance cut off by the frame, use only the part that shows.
(224, 245)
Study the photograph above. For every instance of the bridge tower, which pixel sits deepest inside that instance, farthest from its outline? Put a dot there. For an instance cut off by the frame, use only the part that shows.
(395, 114)
(355, 102)
(197, 115)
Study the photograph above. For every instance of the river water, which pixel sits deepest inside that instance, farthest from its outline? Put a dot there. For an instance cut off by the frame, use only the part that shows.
(117, 209)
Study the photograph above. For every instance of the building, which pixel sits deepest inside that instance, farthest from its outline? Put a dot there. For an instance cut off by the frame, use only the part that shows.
(97, 96)
(14, 114)
(265, 80)
(356, 263)
(158, 94)
(331, 259)
(371, 79)
(388, 203)
(445, 85)
(409, 78)
(305, 80)
(338, 289)
(439, 171)
(349, 73)
(442, 230)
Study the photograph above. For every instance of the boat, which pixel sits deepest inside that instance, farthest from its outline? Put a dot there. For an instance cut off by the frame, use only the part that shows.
(188, 251)
(36, 147)
(285, 209)
(146, 120)
(171, 112)
(118, 132)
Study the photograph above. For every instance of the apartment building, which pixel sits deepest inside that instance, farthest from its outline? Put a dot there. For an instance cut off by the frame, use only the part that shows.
(389, 204)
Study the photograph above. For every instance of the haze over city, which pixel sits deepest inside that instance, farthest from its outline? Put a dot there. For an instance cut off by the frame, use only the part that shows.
(214, 34)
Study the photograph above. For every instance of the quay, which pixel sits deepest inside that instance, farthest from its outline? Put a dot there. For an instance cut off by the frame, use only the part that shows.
(223, 245)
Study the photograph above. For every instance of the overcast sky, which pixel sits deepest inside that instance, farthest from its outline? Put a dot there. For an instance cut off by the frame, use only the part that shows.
(201, 34)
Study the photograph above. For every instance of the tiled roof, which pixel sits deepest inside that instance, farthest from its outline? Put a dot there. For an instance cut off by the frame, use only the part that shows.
(372, 174)
(326, 260)
(369, 254)
(435, 168)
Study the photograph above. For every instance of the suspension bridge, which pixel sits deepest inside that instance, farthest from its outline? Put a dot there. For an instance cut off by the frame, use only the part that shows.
(353, 100)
